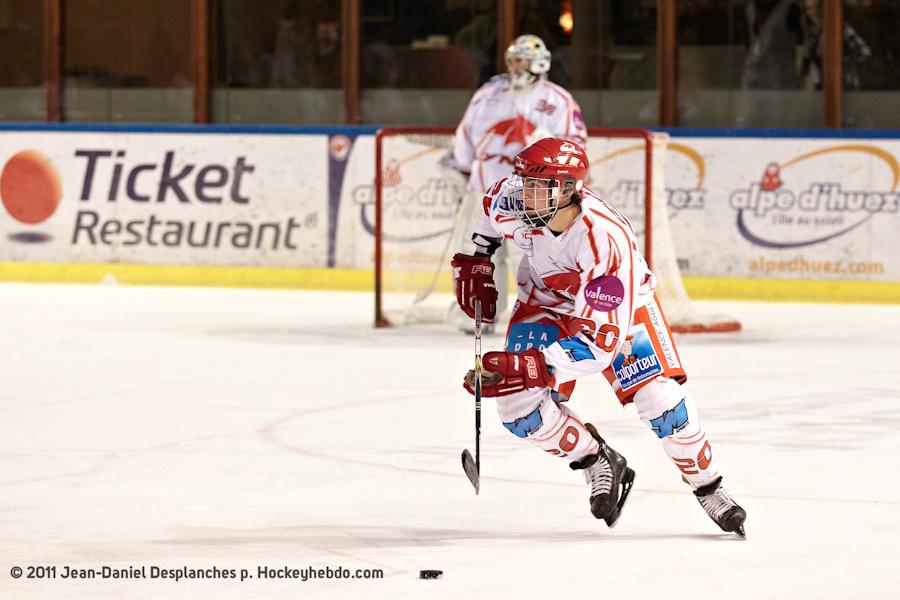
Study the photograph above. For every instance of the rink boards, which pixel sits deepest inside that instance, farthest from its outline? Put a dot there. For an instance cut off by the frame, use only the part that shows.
(752, 217)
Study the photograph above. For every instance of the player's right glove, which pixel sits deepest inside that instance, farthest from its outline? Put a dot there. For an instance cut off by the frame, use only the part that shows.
(506, 373)
(474, 277)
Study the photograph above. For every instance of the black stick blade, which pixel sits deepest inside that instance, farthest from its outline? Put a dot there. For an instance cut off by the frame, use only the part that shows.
(468, 464)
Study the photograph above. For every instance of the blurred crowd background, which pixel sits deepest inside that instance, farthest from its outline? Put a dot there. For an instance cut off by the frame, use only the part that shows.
(736, 63)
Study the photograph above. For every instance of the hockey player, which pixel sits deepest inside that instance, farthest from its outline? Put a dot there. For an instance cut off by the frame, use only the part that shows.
(585, 305)
(505, 115)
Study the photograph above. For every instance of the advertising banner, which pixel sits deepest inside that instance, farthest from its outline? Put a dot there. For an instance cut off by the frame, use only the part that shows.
(786, 208)
(768, 208)
(762, 208)
(419, 206)
(164, 198)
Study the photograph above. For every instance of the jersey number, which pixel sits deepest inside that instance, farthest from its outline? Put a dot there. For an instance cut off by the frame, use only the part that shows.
(607, 336)
(567, 442)
(689, 467)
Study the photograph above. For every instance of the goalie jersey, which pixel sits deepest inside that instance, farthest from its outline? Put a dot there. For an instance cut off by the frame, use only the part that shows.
(500, 123)
(591, 276)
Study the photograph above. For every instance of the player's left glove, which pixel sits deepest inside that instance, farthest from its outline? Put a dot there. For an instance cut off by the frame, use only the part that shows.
(506, 373)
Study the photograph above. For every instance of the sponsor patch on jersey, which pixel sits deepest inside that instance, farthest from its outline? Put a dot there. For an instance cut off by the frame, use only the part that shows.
(503, 205)
(604, 293)
(637, 361)
(576, 349)
(523, 336)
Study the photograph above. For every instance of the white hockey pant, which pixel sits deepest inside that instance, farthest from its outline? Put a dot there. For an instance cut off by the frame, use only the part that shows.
(663, 404)
(671, 413)
(534, 416)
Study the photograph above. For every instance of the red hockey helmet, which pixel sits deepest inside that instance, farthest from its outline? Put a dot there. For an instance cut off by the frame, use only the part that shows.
(552, 164)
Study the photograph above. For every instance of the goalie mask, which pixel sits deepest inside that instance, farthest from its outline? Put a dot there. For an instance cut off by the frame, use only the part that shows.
(527, 60)
(547, 176)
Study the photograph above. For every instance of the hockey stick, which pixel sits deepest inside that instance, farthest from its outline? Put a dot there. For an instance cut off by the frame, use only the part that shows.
(471, 466)
(454, 233)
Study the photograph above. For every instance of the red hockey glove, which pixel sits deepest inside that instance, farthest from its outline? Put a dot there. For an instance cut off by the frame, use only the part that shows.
(507, 373)
(474, 277)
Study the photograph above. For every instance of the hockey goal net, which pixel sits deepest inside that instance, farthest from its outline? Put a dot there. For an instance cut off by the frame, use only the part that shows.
(416, 226)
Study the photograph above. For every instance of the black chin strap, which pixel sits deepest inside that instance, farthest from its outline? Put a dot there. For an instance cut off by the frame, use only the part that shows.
(573, 199)
(566, 205)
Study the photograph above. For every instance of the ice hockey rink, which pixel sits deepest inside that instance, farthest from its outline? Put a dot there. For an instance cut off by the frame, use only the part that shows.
(194, 428)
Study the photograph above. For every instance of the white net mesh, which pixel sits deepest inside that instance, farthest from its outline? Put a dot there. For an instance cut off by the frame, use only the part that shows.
(619, 174)
(419, 210)
(682, 314)
(420, 223)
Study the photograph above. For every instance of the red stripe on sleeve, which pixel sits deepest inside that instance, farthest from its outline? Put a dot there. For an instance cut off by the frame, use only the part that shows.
(593, 242)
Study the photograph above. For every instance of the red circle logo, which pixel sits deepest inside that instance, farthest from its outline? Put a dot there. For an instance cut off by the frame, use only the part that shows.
(30, 187)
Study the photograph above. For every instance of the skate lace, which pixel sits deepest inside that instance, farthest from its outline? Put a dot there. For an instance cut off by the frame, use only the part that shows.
(716, 503)
(600, 476)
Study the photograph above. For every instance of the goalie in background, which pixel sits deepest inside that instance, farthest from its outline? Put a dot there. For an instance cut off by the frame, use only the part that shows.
(506, 114)
(586, 305)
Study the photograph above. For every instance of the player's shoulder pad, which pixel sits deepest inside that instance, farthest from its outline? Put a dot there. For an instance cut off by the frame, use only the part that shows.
(497, 84)
(555, 87)
(592, 203)
(499, 79)
(589, 196)
(487, 89)
(598, 211)
(495, 197)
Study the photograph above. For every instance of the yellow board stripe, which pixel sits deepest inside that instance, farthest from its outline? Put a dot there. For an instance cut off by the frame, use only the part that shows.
(793, 290)
(189, 275)
(701, 288)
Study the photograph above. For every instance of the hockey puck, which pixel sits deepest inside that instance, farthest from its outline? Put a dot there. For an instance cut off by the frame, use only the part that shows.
(429, 574)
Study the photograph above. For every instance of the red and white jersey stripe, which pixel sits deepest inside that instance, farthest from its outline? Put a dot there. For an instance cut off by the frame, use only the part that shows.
(498, 123)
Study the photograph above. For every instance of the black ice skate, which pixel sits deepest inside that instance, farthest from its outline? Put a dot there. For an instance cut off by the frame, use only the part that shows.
(721, 508)
(610, 479)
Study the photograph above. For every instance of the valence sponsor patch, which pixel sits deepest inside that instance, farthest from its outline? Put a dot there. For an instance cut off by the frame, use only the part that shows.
(604, 293)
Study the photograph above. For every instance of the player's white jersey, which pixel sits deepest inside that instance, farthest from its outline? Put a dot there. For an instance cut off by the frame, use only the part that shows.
(592, 272)
(498, 122)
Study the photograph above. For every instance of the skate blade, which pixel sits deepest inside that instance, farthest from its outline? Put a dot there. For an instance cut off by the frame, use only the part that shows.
(627, 482)
(741, 533)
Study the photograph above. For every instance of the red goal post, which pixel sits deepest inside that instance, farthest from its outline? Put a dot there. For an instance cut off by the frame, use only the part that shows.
(626, 167)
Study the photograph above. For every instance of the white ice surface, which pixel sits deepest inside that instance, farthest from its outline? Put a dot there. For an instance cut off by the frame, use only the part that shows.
(200, 427)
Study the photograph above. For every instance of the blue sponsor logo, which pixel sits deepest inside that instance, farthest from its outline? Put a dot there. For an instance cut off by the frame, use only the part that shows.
(636, 361)
(670, 421)
(576, 349)
(525, 426)
(503, 204)
(523, 336)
